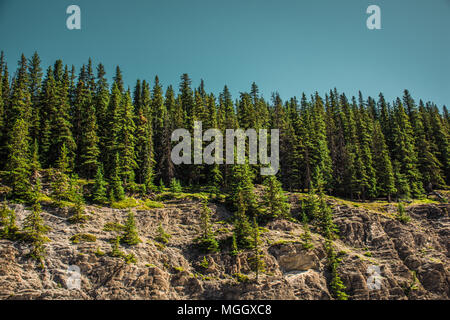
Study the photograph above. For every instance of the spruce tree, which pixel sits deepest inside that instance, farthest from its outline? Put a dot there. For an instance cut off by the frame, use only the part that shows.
(131, 235)
(126, 141)
(275, 203)
(34, 230)
(206, 240)
(144, 137)
(8, 227)
(382, 163)
(99, 190)
(404, 153)
(242, 227)
(257, 260)
(18, 165)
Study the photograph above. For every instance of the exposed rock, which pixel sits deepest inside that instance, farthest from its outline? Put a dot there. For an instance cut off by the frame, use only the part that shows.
(381, 258)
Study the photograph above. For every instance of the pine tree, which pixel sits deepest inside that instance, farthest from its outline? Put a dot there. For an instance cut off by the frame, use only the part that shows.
(131, 235)
(144, 137)
(101, 101)
(159, 117)
(383, 166)
(34, 230)
(116, 192)
(404, 153)
(206, 240)
(8, 227)
(126, 141)
(20, 101)
(89, 142)
(275, 203)
(18, 165)
(61, 181)
(113, 120)
(242, 185)
(242, 227)
(35, 79)
(99, 189)
(257, 260)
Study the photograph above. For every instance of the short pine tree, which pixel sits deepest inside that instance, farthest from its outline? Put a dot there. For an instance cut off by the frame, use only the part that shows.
(175, 186)
(257, 260)
(402, 215)
(131, 235)
(275, 203)
(34, 231)
(162, 236)
(206, 241)
(99, 190)
(8, 227)
(242, 227)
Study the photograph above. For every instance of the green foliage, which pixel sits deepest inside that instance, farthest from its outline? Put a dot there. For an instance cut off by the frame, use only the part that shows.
(337, 286)
(116, 191)
(242, 186)
(275, 203)
(362, 148)
(234, 248)
(306, 238)
(35, 231)
(130, 236)
(99, 190)
(125, 203)
(206, 241)
(241, 278)
(204, 264)
(82, 237)
(113, 226)
(175, 186)
(402, 215)
(8, 227)
(18, 164)
(162, 236)
(257, 262)
(242, 227)
(161, 187)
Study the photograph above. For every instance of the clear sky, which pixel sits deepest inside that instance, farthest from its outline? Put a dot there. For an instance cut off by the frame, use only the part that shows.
(289, 46)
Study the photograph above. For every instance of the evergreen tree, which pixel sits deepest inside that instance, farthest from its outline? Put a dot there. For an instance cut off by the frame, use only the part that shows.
(131, 235)
(34, 230)
(8, 227)
(383, 166)
(126, 141)
(99, 190)
(144, 136)
(18, 164)
(257, 260)
(116, 192)
(242, 185)
(242, 227)
(206, 240)
(405, 155)
(275, 203)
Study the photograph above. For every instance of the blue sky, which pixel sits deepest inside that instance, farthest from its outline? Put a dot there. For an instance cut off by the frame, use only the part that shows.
(289, 46)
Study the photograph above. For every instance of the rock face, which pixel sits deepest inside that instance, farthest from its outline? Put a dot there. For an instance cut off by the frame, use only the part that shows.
(381, 258)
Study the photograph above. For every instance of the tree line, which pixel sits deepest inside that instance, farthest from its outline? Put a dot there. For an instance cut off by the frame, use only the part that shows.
(78, 123)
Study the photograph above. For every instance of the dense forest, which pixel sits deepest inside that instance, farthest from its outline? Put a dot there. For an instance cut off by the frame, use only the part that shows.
(77, 124)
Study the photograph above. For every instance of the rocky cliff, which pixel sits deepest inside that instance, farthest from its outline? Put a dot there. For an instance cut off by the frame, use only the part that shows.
(381, 257)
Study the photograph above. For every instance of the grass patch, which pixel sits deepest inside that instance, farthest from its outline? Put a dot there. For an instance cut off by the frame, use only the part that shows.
(82, 237)
(113, 226)
(241, 278)
(150, 204)
(125, 203)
